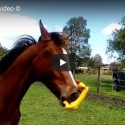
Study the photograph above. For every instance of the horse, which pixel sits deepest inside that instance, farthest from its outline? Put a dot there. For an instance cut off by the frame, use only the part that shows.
(29, 61)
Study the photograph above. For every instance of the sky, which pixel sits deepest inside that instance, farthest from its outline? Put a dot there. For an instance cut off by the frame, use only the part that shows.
(22, 17)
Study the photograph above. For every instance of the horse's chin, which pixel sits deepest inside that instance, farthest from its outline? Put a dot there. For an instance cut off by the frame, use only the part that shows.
(62, 99)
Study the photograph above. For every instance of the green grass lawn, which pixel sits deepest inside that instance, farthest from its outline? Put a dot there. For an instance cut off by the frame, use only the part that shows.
(40, 107)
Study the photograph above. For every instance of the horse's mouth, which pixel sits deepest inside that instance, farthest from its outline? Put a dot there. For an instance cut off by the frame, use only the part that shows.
(70, 99)
(73, 102)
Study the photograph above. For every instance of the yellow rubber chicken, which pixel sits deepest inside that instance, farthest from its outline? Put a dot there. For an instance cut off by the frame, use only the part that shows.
(75, 104)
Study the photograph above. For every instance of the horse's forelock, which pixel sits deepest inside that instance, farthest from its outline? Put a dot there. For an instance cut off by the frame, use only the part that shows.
(58, 38)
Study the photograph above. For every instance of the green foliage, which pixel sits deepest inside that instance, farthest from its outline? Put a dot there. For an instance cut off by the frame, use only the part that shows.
(3, 52)
(123, 21)
(78, 38)
(91, 62)
(95, 61)
(117, 43)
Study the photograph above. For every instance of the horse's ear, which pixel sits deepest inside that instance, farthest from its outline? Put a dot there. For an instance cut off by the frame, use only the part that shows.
(44, 33)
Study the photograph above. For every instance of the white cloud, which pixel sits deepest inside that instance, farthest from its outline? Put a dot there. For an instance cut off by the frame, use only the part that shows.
(107, 60)
(104, 56)
(108, 30)
(12, 26)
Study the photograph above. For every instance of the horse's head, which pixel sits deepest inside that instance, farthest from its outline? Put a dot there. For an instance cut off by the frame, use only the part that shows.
(61, 83)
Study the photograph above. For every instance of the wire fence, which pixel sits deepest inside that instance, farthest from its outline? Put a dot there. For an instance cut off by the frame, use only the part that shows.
(108, 82)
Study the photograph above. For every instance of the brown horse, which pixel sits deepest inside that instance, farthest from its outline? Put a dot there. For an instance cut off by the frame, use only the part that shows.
(30, 61)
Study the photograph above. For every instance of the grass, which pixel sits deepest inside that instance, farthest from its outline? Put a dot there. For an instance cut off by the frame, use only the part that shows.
(40, 107)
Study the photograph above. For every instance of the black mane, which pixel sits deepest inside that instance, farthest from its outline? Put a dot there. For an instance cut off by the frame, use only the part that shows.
(57, 38)
(21, 44)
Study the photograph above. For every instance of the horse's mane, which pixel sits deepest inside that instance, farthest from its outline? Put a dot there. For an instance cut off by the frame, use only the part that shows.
(21, 44)
(56, 37)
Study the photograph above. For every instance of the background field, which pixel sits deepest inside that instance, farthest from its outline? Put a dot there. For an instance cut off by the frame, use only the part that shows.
(105, 84)
(40, 107)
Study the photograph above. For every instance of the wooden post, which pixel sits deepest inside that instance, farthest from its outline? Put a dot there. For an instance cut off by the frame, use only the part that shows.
(98, 80)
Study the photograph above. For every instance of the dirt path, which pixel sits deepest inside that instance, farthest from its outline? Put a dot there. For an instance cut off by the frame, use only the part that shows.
(106, 99)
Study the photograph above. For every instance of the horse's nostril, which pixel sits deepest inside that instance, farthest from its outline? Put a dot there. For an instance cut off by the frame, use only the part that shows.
(74, 96)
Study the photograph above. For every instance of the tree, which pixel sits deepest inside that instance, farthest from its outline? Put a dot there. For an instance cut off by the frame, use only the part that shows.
(78, 38)
(84, 55)
(117, 43)
(91, 62)
(3, 52)
(123, 21)
(114, 66)
(97, 60)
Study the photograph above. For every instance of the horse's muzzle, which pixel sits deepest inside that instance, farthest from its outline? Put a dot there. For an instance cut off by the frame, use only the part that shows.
(75, 99)
(74, 96)
(71, 98)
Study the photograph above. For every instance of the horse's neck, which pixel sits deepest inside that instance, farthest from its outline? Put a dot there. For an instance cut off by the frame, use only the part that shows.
(16, 80)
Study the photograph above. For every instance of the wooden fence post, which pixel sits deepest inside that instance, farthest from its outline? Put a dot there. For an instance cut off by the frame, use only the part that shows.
(98, 80)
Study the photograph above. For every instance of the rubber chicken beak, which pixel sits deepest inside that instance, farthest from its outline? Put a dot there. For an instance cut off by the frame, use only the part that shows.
(75, 104)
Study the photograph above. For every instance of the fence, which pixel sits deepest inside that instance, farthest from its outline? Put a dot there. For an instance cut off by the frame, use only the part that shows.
(105, 80)
(118, 80)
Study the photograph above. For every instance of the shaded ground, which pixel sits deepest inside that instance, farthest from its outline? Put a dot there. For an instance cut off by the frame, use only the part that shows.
(113, 101)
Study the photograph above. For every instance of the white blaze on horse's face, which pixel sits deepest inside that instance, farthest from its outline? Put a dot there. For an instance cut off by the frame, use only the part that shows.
(70, 73)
